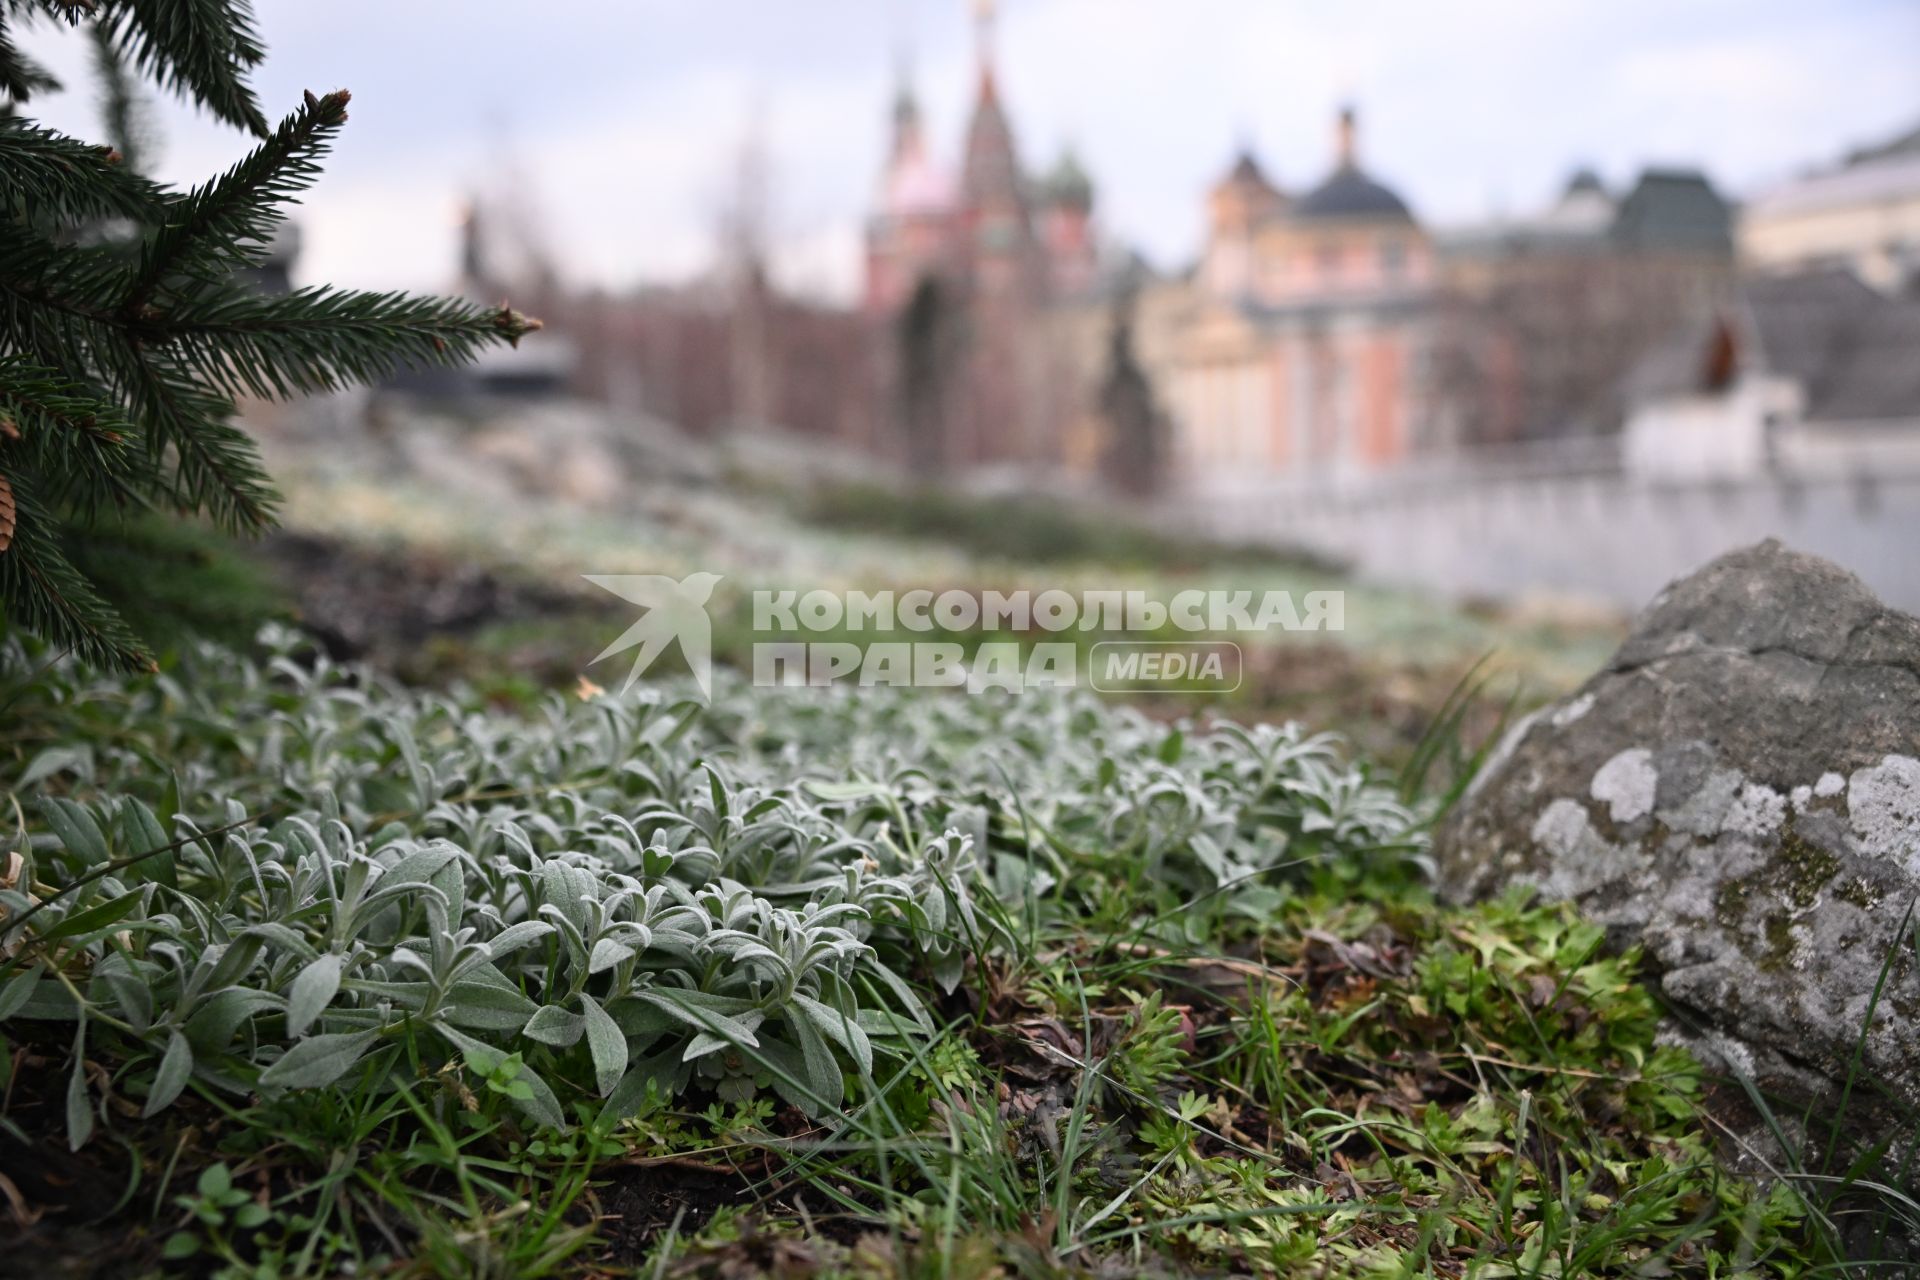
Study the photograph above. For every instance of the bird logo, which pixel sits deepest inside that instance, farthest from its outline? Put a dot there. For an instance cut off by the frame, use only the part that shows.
(675, 610)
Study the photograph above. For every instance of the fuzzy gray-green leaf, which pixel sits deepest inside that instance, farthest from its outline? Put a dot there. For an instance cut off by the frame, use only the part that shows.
(176, 1066)
(607, 1045)
(313, 989)
(318, 1060)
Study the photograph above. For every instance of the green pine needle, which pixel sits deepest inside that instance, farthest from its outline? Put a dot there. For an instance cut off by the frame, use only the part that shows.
(127, 327)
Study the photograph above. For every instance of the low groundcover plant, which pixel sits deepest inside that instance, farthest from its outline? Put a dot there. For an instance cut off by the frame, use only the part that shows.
(997, 978)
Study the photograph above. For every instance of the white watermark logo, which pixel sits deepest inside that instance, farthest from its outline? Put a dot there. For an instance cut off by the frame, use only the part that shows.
(1117, 666)
(820, 638)
(675, 611)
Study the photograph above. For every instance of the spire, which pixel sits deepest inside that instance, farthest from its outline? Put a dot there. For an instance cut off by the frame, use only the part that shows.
(473, 265)
(992, 171)
(1343, 138)
(983, 17)
(911, 185)
(906, 115)
(906, 108)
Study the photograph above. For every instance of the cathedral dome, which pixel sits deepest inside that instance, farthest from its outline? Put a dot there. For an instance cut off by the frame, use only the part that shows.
(1068, 184)
(1348, 192)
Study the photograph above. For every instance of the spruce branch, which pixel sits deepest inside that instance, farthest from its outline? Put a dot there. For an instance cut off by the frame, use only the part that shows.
(227, 223)
(55, 301)
(199, 49)
(127, 331)
(77, 440)
(322, 339)
(45, 594)
(20, 76)
(216, 465)
(51, 177)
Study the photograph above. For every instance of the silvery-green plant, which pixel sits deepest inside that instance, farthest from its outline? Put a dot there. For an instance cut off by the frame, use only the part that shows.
(274, 876)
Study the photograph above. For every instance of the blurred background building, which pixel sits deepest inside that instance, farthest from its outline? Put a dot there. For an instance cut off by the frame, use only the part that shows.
(1545, 315)
(963, 274)
(1862, 214)
(1327, 368)
(1306, 350)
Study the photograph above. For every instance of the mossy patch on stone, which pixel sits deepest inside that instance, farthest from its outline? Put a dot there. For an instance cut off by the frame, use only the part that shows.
(1804, 867)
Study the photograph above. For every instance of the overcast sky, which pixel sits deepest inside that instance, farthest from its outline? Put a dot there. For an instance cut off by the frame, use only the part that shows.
(617, 123)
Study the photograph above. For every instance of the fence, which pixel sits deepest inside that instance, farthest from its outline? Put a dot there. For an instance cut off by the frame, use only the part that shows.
(1568, 519)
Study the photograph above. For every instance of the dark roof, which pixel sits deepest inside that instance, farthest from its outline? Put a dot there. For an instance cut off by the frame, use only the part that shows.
(1852, 349)
(1880, 377)
(1849, 348)
(1585, 179)
(1903, 144)
(1805, 322)
(1246, 172)
(1675, 209)
(1350, 193)
(1247, 169)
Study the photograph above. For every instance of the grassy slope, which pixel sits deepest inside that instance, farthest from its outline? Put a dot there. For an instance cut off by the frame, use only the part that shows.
(1188, 1006)
(1380, 681)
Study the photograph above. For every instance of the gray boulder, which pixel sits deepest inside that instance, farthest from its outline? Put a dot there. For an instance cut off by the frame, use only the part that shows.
(1739, 791)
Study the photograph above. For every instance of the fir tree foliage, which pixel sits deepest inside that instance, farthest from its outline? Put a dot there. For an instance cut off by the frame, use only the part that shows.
(128, 328)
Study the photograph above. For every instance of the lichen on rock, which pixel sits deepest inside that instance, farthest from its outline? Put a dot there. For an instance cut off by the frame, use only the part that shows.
(1738, 791)
(1627, 784)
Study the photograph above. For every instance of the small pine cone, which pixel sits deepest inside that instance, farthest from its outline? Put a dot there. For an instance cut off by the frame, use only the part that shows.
(8, 515)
